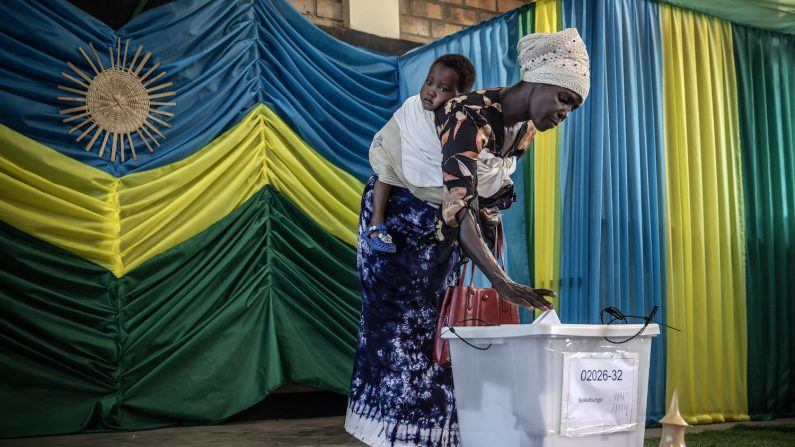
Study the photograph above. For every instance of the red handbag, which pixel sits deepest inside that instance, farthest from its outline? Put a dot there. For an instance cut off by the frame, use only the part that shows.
(472, 306)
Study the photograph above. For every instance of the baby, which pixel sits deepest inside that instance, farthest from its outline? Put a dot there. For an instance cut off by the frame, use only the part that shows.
(449, 76)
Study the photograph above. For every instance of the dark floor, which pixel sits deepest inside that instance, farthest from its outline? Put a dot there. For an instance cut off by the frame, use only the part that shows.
(326, 431)
(274, 433)
(305, 420)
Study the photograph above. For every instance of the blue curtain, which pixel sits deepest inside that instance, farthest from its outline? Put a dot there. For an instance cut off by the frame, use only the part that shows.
(223, 57)
(491, 46)
(612, 183)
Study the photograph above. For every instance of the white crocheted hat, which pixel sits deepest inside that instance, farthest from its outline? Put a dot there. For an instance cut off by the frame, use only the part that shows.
(557, 59)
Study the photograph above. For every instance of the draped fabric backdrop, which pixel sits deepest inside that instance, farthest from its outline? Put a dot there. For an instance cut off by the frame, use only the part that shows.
(185, 285)
(765, 64)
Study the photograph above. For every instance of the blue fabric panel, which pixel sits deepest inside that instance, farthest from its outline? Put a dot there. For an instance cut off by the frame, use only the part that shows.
(612, 182)
(223, 58)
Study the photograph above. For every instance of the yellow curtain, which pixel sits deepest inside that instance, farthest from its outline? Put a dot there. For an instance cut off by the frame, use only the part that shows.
(122, 222)
(704, 222)
(546, 180)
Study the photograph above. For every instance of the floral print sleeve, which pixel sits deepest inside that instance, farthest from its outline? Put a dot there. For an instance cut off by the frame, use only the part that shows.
(466, 126)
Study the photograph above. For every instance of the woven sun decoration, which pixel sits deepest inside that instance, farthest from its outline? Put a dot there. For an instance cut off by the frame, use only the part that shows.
(117, 101)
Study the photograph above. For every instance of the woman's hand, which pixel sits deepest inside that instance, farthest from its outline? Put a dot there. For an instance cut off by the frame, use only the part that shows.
(472, 242)
(490, 217)
(524, 296)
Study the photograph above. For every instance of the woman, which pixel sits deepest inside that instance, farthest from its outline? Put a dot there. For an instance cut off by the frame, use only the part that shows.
(398, 395)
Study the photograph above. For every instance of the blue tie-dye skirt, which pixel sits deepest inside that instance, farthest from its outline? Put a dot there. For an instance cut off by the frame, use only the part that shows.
(399, 396)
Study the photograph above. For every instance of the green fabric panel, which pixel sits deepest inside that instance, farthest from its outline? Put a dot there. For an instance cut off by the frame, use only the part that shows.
(774, 15)
(58, 334)
(196, 334)
(765, 64)
(527, 19)
(528, 165)
(526, 26)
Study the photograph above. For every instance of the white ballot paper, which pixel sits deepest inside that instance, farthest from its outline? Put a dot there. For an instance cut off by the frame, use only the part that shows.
(547, 317)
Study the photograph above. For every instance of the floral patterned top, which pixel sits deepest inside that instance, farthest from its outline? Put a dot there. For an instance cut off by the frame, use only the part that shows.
(468, 124)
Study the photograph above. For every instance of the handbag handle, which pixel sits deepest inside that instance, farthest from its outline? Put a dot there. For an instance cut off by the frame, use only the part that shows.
(499, 255)
(499, 245)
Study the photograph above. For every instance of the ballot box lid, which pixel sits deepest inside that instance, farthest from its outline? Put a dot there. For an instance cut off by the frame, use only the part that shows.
(552, 330)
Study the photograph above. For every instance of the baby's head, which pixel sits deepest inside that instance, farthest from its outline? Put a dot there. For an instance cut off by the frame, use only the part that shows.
(449, 76)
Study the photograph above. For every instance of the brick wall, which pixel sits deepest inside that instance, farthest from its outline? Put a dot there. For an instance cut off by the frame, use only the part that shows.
(420, 20)
(427, 20)
(321, 12)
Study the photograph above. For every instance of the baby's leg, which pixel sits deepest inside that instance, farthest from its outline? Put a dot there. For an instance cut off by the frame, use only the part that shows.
(379, 239)
(381, 193)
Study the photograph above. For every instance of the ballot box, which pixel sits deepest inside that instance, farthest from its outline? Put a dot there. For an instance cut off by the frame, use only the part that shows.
(551, 385)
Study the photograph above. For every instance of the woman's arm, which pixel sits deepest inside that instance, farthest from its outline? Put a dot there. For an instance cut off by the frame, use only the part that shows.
(472, 243)
(462, 140)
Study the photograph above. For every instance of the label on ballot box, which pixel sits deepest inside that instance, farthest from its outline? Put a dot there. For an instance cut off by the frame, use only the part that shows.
(599, 393)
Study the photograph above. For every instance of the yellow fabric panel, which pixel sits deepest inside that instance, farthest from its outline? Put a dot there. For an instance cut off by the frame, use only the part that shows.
(548, 17)
(704, 220)
(546, 182)
(53, 197)
(121, 223)
(165, 206)
(329, 195)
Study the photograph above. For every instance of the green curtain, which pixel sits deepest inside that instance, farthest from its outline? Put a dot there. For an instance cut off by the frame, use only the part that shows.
(765, 64)
(526, 19)
(774, 15)
(198, 333)
(58, 345)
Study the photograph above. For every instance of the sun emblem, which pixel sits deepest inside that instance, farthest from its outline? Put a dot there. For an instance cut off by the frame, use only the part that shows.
(117, 102)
